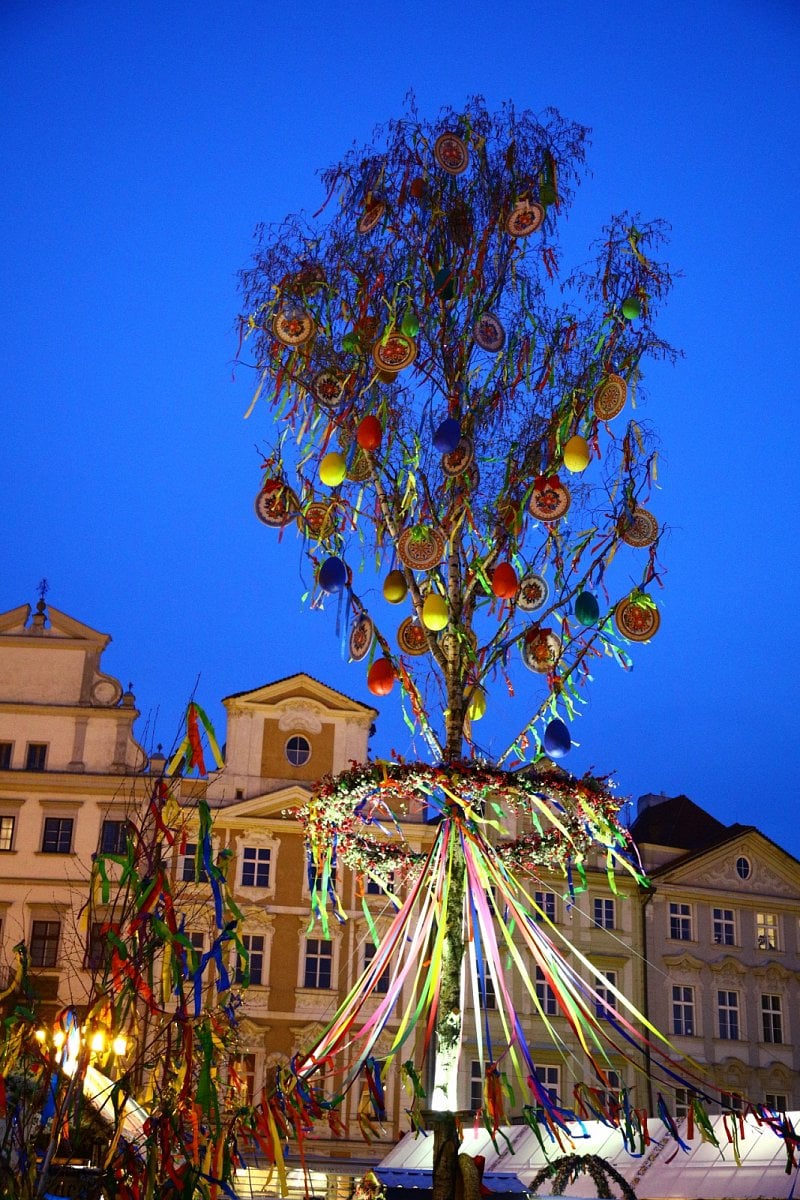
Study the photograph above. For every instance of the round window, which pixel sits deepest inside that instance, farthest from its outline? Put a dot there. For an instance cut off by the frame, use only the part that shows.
(298, 750)
(743, 868)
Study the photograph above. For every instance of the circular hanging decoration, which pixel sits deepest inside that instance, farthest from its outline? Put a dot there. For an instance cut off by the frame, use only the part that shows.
(318, 519)
(525, 218)
(310, 279)
(540, 649)
(381, 677)
(576, 454)
(394, 353)
(637, 618)
(332, 575)
(327, 388)
(293, 328)
(587, 610)
(557, 741)
(276, 504)
(332, 469)
(549, 500)
(361, 637)
(533, 592)
(395, 588)
(420, 547)
(371, 216)
(451, 153)
(411, 637)
(359, 469)
(435, 613)
(489, 333)
(640, 529)
(610, 399)
(459, 460)
(447, 436)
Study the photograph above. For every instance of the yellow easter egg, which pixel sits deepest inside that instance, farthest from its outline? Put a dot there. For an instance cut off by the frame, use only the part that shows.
(434, 612)
(395, 587)
(576, 454)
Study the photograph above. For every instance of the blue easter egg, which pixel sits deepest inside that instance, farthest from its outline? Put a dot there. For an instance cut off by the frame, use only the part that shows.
(557, 741)
(332, 575)
(447, 436)
(587, 610)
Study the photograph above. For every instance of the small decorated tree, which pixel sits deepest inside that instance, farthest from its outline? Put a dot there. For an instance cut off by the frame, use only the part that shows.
(454, 412)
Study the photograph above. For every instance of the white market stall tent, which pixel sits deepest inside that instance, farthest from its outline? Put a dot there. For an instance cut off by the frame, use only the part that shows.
(662, 1172)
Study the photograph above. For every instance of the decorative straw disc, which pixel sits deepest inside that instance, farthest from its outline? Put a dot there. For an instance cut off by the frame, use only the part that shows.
(459, 460)
(525, 218)
(318, 519)
(610, 398)
(276, 504)
(451, 153)
(293, 328)
(395, 353)
(640, 529)
(411, 637)
(637, 621)
(327, 388)
(359, 470)
(371, 216)
(532, 593)
(540, 649)
(489, 333)
(310, 278)
(550, 502)
(361, 635)
(420, 547)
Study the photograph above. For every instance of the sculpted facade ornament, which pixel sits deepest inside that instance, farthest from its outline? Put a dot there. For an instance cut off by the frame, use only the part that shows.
(299, 714)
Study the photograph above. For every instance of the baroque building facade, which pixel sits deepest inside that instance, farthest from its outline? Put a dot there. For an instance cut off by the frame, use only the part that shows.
(710, 953)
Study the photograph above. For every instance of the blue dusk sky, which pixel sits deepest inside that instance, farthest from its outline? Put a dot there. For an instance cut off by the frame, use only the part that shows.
(141, 144)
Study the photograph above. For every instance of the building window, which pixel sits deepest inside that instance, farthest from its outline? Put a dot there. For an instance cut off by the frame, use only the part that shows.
(550, 1079)
(728, 1015)
(45, 936)
(772, 1019)
(243, 1078)
(318, 963)
(254, 945)
(681, 1102)
(255, 866)
(545, 906)
(767, 931)
(777, 1101)
(198, 941)
(545, 994)
(376, 889)
(36, 756)
(486, 992)
(683, 1011)
(57, 836)
(730, 1101)
(382, 982)
(680, 922)
(114, 837)
(475, 1087)
(603, 913)
(298, 750)
(190, 872)
(6, 750)
(98, 946)
(6, 833)
(724, 927)
(606, 997)
(610, 1095)
(743, 867)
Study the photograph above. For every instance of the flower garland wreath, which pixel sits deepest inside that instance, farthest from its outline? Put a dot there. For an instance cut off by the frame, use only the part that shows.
(354, 817)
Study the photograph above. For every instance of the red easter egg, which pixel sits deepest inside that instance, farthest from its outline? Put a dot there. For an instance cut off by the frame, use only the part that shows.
(381, 677)
(504, 581)
(369, 433)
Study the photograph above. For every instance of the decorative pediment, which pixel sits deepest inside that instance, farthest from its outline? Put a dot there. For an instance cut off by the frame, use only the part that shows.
(299, 689)
(16, 623)
(773, 972)
(267, 804)
(773, 872)
(682, 962)
(728, 966)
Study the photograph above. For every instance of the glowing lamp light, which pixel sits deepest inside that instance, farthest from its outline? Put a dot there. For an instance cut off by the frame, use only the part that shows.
(395, 588)
(332, 469)
(41, 1036)
(120, 1045)
(434, 612)
(369, 433)
(576, 454)
(59, 1037)
(381, 677)
(504, 581)
(97, 1042)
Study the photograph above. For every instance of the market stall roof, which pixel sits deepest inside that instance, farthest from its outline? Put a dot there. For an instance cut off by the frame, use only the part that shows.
(662, 1172)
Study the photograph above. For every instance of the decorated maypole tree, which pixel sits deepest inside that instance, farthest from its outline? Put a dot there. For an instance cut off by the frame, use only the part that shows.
(457, 447)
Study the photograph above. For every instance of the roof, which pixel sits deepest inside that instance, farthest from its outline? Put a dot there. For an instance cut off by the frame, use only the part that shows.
(677, 821)
(299, 676)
